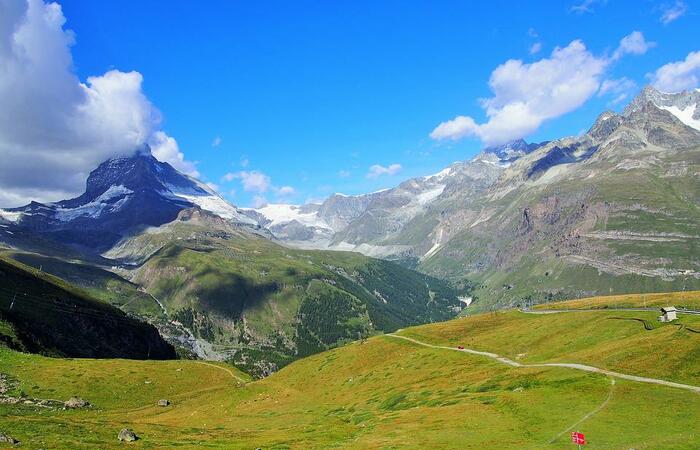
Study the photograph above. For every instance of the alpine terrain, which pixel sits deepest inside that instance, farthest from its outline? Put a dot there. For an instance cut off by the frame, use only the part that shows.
(611, 211)
(167, 249)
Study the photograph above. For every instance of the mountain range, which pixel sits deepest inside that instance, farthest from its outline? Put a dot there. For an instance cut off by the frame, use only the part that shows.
(612, 210)
(168, 250)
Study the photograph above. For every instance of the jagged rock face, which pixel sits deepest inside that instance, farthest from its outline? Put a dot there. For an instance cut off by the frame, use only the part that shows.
(123, 195)
(605, 125)
(339, 210)
(512, 150)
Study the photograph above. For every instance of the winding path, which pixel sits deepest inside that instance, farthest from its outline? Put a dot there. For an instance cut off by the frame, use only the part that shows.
(230, 372)
(590, 414)
(575, 366)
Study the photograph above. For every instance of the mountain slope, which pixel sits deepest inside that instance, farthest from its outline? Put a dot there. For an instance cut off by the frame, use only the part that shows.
(208, 276)
(43, 314)
(392, 223)
(390, 393)
(613, 210)
(122, 195)
(261, 305)
(616, 210)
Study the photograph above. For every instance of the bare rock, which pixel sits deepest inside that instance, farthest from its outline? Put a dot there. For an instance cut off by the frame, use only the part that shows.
(76, 402)
(163, 402)
(127, 435)
(5, 439)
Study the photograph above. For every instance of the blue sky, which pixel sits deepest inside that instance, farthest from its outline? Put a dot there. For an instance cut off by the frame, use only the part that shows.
(312, 94)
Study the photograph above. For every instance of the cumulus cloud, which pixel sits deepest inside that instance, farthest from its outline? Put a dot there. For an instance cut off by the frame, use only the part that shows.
(54, 128)
(285, 190)
(377, 170)
(669, 13)
(679, 75)
(633, 44)
(165, 148)
(253, 181)
(526, 95)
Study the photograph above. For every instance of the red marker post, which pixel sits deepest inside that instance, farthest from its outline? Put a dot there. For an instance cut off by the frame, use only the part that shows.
(578, 439)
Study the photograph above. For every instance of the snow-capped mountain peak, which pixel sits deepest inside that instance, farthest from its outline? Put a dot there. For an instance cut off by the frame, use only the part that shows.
(684, 105)
(122, 194)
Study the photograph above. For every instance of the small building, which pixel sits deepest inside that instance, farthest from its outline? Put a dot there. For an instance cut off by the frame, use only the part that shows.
(668, 314)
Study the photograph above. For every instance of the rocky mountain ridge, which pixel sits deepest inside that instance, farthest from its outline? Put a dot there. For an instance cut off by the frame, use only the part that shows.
(122, 195)
(579, 203)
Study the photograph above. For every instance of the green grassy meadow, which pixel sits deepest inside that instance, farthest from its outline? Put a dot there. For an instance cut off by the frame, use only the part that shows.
(387, 393)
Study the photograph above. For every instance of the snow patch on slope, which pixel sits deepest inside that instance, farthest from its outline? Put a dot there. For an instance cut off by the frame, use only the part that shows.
(428, 196)
(95, 208)
(10, 216)
(207, 199)
(684, 115)
(280, 214)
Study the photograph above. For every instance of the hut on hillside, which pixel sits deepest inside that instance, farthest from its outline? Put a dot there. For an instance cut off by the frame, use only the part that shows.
(668, 314)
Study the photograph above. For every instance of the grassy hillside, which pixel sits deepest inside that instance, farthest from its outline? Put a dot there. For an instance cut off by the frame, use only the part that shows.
(97, 281)
(44, 314)
(382, 393)
(262, 305)
(685, 300)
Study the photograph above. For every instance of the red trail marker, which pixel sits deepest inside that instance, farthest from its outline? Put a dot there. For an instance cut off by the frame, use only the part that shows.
(578, 438)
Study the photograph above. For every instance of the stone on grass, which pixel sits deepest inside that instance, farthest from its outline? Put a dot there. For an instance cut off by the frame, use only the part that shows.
(126, 435)
(163, 402)
(76, 402)
(5, 439)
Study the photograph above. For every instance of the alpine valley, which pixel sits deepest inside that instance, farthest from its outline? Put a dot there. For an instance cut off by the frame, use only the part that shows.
(611, 211)
(614, 210)
(165, 248)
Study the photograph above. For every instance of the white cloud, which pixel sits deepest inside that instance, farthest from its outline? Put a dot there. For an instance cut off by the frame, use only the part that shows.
(669, 13)
(54, 129)
(259, 201)
(165, 148)
(377, 170)
(679, 75)
(526, 95)
(286, 190)
(343, 173)
(586, 6)
(632, 44)
(535, 48)
(253, 181)
(216, 142)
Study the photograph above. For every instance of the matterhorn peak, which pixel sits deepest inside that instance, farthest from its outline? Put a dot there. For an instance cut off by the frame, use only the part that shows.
(143, 150)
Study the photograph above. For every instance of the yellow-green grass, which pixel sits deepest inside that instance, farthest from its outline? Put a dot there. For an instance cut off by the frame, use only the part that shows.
(688, 299)
(384, 393)
(613, 340)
